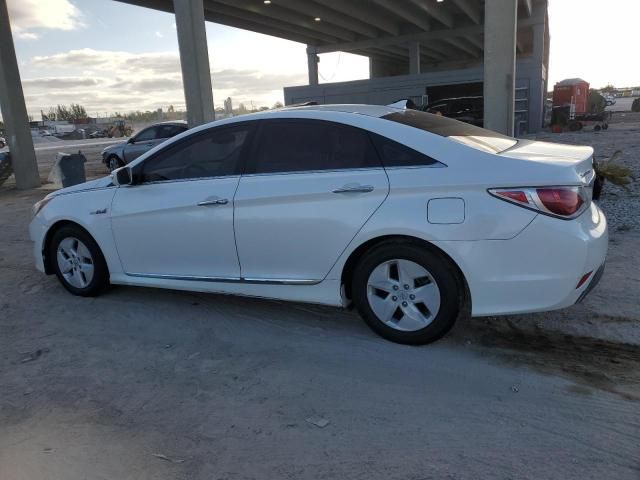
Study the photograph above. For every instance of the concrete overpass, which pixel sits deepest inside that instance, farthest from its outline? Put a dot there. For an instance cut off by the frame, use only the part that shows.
(399, 36)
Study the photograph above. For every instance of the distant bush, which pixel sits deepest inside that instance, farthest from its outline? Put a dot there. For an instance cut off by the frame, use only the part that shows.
(635, 106)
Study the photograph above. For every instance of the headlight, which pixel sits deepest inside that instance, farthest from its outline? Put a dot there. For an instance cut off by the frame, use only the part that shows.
(40, 205)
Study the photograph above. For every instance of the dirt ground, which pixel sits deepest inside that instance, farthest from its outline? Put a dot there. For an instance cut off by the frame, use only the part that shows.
(150, 384)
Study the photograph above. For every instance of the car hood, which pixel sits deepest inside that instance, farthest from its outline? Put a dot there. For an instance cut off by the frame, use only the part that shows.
(114, 147)
(96, 184)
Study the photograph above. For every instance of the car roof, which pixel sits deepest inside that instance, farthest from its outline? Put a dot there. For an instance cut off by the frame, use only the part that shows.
(181, 123)
(361, 109)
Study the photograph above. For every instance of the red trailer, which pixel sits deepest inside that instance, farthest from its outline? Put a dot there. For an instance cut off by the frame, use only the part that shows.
(571, 106)
(573, 91)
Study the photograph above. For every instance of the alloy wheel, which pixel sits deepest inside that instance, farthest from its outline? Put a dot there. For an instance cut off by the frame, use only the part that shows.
(403, 295)
(75, 262)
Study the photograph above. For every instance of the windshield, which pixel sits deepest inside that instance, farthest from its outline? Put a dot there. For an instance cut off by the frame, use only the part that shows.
(465, 133)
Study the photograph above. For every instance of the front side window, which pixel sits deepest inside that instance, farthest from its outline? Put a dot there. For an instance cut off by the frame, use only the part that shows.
(308, 145)
(150, 133)
(215, 153)
(467, 134)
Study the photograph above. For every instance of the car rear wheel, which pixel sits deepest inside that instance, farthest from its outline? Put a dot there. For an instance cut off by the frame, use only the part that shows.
(78, 262)
(407, 293)
(114, 162)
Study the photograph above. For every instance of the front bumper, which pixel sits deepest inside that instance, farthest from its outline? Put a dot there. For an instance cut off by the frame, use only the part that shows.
(37, 234)
(538, 270)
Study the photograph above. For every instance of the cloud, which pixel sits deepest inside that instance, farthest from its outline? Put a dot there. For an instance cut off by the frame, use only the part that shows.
(27, 35)
(109, 81)
(48, 14)
(159, 35)
(59, 83)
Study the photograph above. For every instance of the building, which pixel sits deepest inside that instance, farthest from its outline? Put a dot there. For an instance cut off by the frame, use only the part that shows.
(417, 48)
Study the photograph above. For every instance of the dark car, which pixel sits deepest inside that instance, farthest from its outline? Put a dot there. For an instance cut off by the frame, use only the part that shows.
(465, 109)
(118, 155)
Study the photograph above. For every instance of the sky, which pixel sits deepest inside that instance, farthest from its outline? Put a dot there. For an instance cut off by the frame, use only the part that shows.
(109, 56)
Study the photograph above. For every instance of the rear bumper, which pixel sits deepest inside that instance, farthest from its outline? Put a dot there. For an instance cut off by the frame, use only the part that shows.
(595, 279)
(539, 269)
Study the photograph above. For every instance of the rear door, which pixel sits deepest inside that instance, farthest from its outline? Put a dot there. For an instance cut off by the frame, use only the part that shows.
(309, 186)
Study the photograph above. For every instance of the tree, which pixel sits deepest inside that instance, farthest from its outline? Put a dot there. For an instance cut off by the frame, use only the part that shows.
(608, 89)
(278, 104)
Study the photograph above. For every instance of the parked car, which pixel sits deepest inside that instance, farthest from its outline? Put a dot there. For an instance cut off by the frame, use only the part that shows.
(97, 134)
(409, 216)
(115, 156)
(465, 109)
(3, 142)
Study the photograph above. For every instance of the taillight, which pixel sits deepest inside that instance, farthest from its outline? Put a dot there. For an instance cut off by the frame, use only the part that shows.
(562, 202)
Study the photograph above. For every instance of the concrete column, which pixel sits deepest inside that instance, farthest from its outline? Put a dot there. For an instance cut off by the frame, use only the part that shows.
(414, 58)
(500, 64)
(312, 64)
(194, 59)
(14, 110)
(538, 80)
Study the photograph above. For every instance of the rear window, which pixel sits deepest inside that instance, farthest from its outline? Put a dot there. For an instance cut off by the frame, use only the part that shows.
(470, 135)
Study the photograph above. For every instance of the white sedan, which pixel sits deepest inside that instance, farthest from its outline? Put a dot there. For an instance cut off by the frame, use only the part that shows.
(411, 217)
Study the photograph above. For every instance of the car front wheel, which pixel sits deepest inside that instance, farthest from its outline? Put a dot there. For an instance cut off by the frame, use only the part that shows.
(113, 162)
(407, 293)
(78, 262)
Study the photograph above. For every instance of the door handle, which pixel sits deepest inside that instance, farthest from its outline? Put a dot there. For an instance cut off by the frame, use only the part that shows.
(217, 201)
(354, 189)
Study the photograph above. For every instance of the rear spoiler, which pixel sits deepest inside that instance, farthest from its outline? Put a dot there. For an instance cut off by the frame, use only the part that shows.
(404, 104)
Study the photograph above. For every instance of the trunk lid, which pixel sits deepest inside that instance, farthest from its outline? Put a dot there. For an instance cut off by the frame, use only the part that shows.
(579, 158)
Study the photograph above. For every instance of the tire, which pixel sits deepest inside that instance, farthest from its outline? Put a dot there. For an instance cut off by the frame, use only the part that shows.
(78, 262)
(114, 162)
(415, 302)
(597, 128)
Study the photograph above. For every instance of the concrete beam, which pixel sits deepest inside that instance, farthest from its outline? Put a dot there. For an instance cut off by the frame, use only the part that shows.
(414, 58)
(460, 45)
(228, 15)
(501, 19)
(404, 10)
(423, 37)
(328, 15)
(471, 8)
(14, 110)
(275, 15)
(355, 10)
(437, 10)
(528, 6)
(194, 60)
(312, 64)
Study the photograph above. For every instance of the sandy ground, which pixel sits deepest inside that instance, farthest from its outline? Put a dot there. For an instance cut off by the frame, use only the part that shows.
(149, 384)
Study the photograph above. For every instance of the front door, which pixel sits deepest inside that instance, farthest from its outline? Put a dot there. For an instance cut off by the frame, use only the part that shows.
(309, 187)
(177, 221)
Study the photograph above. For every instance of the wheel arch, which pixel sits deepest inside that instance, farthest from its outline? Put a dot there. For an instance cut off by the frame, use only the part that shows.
(361, 250)
(48, 262)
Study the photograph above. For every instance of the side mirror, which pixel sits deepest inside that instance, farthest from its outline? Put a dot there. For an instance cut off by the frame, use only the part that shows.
(122, 176)
(131, 140)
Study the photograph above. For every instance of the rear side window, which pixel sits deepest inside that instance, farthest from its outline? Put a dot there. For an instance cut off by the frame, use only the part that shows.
(394, 154)
(307, 145)
(168, 131)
